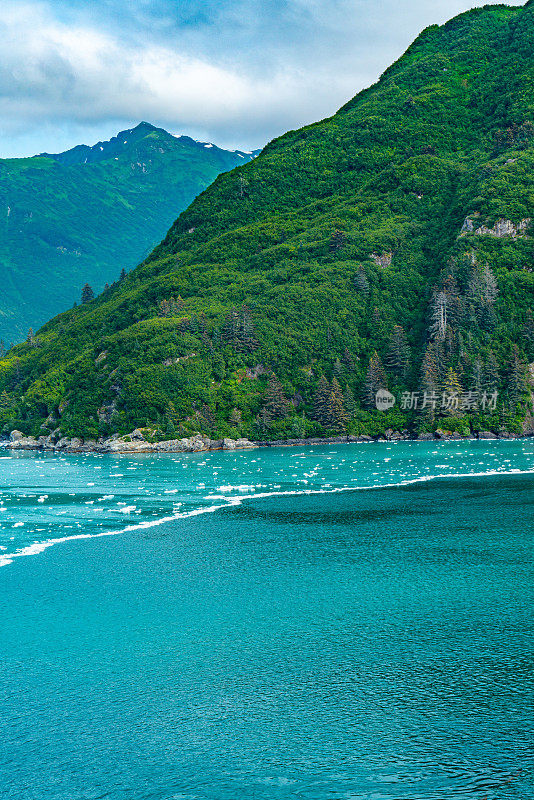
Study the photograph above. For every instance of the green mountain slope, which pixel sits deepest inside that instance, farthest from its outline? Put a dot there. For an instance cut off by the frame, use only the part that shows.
(388, 246)
(85, 214)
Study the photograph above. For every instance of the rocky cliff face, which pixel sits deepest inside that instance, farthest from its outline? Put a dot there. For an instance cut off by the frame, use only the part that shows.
(132, 443)
(501, 227)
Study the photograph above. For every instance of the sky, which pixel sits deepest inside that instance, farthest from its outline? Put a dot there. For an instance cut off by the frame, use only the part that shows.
(233, 72)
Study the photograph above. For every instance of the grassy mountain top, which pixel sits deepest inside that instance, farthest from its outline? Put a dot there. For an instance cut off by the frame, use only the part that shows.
(389, 246)
(85, 214)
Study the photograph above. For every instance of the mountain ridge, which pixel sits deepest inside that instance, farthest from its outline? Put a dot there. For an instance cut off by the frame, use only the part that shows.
(337, 263)
(85, 214)
(106, 149)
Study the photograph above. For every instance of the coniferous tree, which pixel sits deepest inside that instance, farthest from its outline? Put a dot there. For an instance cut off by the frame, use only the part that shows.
(164, 308)
(430, 381)
(337, 416)
(476, 382)
(398, 357)
(123, 274)
(517, 381)
(376, 317)
(337, 240)
(483, 288)
(263, 420)
(491, 374)
(337, 370)
(452, 389)
(361, 283)
(481, 295)
(2, 348)
(87, 294)
(30, 338)
(438, 316)
(247, 338)
(348, 360)
(230, 328)
(348, 400)
(320, 402)
(275, 401)
(375, 379)
(238, 329)
(235, 417)
(207, 416)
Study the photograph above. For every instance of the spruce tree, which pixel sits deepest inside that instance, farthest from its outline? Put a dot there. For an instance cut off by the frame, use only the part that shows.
(517, 381)
(337, 370)
(247, 338)
(275, 402)
(231, 328)
(476, 382)
(375, 379)
(491, 374)
(123, 274)
(235, 419)
(430, 381)
(439, 316)
(483, 288)
(361, 283)
(455, 304)
(337, 240)
(348, 360)
(336, 414)
(376, 317)
(452, 390)
(87, 294)
(398, 357)
(348, 401)
(320, 402)
(164, 308)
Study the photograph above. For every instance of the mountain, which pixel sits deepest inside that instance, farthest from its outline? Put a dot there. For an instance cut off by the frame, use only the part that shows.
(389, 246)
(83, 215)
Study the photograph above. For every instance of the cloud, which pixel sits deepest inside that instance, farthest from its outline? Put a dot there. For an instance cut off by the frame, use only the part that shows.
(235, 71)
(52, 71)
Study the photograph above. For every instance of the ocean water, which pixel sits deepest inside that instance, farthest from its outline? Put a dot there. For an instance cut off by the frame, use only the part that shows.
(349, 622)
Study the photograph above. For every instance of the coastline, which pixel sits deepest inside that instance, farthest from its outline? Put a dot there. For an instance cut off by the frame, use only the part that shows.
(137, 443)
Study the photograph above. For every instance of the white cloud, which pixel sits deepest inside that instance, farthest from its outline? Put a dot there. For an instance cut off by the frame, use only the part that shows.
(245, 71)
(54, 71)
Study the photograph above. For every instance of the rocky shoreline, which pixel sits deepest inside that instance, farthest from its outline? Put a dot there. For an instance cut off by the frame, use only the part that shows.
(136, 442)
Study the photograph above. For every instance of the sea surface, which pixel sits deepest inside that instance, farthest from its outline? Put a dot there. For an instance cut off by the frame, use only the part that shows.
(348, 622)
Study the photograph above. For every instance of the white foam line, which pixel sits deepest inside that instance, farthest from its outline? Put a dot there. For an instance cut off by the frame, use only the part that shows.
(39, 547)
(420, 479)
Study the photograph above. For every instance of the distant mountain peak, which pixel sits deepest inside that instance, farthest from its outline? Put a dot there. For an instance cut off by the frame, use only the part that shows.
(122, 143)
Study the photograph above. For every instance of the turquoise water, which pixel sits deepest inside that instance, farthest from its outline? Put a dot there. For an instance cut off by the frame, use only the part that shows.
(337, 623)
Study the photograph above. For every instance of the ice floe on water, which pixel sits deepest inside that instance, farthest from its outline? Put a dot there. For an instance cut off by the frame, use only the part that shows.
(49, 499)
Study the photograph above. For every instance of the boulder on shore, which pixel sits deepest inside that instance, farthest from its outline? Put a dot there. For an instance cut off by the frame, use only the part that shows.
(486, 435)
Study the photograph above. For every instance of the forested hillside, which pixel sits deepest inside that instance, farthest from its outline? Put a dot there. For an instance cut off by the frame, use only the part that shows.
(389, 246)
(86, 214)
